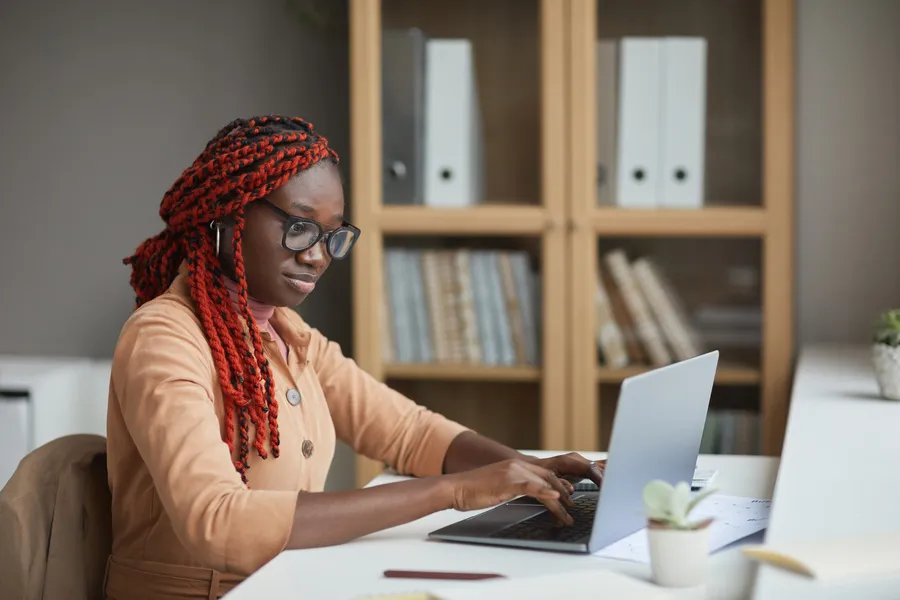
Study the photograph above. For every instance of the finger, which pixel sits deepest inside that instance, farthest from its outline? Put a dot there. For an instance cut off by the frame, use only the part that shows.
(565, 493)
(560, 515)
(576, 465)
(551, 477)
(538, 489)
(597, 470)
(551, 492)
(550, 498)
(571, 466)
(565, 496)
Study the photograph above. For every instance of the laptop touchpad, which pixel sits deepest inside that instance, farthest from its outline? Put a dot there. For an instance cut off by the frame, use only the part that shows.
(496, 519)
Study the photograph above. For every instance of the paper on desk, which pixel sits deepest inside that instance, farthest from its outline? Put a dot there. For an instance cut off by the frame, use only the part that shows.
(736, 517)
(835, 559)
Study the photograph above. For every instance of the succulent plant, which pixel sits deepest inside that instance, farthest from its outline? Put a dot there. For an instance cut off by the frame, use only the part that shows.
(670, 506)
(887, 328)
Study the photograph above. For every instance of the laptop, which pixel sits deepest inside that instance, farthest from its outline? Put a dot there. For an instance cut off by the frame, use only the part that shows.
(656, 435)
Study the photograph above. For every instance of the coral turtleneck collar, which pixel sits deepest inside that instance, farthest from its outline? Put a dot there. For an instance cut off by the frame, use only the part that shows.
(261, 312)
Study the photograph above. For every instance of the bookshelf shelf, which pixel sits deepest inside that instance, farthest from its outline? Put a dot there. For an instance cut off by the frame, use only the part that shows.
(490, 219)
(712, 221)
(463, 372)
(726, 375)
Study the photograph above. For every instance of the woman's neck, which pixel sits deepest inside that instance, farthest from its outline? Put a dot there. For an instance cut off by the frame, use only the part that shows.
(260, 311)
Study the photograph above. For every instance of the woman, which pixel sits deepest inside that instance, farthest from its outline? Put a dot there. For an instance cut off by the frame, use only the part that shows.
(225, 406)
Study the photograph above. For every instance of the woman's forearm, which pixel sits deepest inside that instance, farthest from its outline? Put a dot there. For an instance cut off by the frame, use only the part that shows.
(330, 518)
(470, 450)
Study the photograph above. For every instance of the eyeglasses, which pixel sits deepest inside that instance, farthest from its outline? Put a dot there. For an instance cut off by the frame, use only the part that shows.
(301, 233)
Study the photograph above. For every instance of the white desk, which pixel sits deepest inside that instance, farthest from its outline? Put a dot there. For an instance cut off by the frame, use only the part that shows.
(355, 569)
(840, 469)
(839, 475)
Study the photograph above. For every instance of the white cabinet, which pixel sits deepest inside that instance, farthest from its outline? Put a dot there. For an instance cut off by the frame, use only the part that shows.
(42, 399)
(15, 430)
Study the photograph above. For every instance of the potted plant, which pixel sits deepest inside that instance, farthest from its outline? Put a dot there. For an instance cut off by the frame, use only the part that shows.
(886, 353)
(679, 547)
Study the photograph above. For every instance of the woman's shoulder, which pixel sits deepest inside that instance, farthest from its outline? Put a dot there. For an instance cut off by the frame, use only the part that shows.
(171, 307)
(168, 321)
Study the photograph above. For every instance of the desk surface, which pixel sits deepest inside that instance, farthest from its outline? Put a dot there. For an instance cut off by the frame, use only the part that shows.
(354, 570)
(839, 470)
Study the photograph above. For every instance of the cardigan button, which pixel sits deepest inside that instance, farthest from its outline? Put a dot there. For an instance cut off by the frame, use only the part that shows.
(307, 448)
(293, 396)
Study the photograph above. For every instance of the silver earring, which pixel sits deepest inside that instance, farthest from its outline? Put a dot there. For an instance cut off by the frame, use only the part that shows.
(218, 227)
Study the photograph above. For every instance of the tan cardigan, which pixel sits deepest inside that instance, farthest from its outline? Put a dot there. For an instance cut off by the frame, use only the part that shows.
(179, 508)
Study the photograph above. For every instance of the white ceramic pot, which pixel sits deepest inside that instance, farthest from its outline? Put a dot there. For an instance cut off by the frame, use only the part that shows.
(886, 361)
(678, 557)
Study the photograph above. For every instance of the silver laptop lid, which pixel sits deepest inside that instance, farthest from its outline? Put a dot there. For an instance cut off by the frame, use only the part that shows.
(656, 435)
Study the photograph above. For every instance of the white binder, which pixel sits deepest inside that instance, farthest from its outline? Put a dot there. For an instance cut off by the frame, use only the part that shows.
(453, 135)
(638, 144)
(683, 122)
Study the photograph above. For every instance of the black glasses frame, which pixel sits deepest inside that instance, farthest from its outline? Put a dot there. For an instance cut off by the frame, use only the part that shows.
(290, 220)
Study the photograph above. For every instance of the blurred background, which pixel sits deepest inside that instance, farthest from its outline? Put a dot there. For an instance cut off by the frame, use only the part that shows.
(103, 104)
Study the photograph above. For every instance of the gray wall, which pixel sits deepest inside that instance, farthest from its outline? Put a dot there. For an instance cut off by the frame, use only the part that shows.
(848, 168)
(103, 104)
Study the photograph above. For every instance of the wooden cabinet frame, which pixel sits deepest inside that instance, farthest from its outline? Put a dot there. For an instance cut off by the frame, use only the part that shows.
(569, 224)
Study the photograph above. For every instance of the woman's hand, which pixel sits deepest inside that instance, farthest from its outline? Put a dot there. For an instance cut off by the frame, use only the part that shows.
(572, 467)
(496, 483)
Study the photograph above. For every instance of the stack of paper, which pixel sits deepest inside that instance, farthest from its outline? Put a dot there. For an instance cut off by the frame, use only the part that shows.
(735, 518)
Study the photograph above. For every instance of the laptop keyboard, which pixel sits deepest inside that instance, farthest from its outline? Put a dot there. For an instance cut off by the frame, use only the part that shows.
(543, 526)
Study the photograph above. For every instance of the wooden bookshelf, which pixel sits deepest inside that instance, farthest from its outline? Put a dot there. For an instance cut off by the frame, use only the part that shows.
(537, 81)
(749, 190)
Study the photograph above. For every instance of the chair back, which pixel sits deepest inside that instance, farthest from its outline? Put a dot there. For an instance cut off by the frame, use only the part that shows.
(55, 522)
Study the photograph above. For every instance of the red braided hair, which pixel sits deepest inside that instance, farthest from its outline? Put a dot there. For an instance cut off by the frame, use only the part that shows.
(244, 162)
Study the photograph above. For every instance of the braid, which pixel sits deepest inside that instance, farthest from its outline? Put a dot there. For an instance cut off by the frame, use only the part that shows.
(245, 161)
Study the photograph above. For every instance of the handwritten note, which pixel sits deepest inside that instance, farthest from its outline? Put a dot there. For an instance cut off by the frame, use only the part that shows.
(735, 517)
